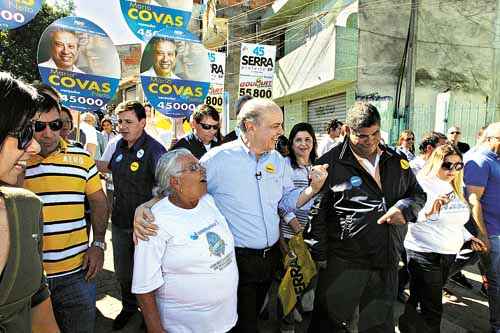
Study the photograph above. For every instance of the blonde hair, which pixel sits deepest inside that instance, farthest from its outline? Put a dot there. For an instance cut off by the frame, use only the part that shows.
(405, 134)
(435, 161)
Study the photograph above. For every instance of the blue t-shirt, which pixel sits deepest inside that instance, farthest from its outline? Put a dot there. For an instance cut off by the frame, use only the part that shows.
(482, 168)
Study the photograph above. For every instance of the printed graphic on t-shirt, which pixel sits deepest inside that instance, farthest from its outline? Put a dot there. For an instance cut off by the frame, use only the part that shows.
(216, 245)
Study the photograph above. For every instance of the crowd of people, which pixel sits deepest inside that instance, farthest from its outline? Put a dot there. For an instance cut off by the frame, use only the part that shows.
(200, 227)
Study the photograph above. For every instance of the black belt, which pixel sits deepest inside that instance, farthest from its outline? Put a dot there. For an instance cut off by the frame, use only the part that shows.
(244, 251)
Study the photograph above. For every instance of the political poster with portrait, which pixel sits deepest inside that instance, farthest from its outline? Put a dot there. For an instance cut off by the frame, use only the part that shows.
(16, 13)
(257, 65)
(146, 18)
(217, 62)
(78, 59)
(175, 75)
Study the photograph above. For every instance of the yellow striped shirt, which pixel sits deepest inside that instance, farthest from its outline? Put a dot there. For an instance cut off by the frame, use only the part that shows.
(62, 180)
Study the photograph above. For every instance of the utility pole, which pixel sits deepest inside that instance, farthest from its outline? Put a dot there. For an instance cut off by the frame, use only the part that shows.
(410, 66)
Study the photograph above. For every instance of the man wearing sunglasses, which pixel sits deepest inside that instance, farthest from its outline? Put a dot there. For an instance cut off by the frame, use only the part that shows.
(63, 175)
(454, 135)
(482, 179)
(205, 124)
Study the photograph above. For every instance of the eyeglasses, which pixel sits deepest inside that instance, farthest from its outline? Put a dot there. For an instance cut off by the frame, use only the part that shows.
(192, 168)
(207, 126)
(455, 132)
(23, 136)
(452, 166)
(54, 125)
(409, 139)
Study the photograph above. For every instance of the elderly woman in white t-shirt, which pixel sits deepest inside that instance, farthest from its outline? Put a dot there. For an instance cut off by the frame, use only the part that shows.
(186, 278)
(433, 242)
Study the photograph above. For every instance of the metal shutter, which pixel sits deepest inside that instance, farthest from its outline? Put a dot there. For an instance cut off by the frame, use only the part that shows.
(322, 110)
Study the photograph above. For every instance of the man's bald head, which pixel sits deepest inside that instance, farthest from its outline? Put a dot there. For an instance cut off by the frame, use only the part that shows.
(492, 135)
(253, 110)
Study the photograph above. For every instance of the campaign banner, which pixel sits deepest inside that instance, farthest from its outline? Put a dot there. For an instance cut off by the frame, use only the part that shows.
(78, 59)
(257, 65)
(215, 98)
(175, 75)
(147, 18)
(16, 13)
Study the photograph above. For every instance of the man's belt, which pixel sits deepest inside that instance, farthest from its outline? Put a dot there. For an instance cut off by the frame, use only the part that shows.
(244, 251)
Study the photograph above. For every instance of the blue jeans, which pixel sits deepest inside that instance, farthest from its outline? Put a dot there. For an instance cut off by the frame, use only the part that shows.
(493, 274)
(73, 301)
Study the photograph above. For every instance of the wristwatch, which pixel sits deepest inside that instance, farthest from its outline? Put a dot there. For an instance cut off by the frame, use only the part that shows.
(99, 244)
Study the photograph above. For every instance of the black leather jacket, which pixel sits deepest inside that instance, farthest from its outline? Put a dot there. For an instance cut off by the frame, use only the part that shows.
(344, 219)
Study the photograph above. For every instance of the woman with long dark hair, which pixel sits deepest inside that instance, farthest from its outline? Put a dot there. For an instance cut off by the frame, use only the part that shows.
(24, 297)
(302, 146)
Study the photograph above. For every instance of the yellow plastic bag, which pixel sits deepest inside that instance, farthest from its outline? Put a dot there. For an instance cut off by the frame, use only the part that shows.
(300, 269)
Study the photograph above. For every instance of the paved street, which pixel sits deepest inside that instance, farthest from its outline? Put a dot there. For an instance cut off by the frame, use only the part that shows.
(468, 314)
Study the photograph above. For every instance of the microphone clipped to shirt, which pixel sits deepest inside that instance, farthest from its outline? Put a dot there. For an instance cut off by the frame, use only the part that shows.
(258, 175)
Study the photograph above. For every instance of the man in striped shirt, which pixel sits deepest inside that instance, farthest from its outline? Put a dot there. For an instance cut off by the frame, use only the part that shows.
(63, 176)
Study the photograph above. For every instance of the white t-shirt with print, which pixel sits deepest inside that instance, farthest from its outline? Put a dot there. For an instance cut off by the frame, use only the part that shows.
(442, 233)
(191, 266)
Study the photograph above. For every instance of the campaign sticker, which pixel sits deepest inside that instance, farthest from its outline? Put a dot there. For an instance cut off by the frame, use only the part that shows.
(134, 166)
(356, 181)
(175, 75)
(119, 158)
(16, 13)
(404, 164)
(146, 18)
(140, 153)
(270, 168)
(78, 59)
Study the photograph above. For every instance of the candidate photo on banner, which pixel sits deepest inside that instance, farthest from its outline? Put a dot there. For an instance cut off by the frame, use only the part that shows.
(146, 18)
(78, 59)
(175, 75)
(16, 13)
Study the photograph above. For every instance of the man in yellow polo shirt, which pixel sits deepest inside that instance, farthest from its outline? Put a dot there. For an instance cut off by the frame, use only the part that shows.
(63, 176)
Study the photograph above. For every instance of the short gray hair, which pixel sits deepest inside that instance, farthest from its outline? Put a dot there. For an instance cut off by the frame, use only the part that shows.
(252, 110)
(167, 167)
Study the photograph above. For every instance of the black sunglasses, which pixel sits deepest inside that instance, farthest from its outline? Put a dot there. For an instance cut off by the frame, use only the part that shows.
(207, 126)
(54, 125)
(23, 136)
(452, 166)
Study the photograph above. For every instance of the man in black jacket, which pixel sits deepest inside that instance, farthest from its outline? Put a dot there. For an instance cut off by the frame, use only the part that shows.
(205, 122)
(359, 228)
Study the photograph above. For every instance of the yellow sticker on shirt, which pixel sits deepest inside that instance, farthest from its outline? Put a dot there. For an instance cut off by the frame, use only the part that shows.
(270, 168)
(134, 166)
(404, 164)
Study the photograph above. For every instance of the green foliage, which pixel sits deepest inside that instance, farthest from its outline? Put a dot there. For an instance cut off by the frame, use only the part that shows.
(18, 47)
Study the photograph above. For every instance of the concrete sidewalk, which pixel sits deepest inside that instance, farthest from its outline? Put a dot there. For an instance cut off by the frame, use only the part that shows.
(469, 314)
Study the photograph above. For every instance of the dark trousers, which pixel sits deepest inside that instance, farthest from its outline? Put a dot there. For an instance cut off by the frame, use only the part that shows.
(428, 275)
(403, 275)
(256, 273)
(344, 289)
(123, 259)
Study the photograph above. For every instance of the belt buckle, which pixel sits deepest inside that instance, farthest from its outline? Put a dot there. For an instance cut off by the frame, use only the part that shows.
(264, 252)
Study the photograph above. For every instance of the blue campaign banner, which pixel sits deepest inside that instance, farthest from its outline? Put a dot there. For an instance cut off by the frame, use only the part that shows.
(174, 98)
(78, 59)
(147, 19)
(80, 92)
(16, 13)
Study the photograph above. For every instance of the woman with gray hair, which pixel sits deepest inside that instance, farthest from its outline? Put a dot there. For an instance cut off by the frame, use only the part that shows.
(186, 278)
